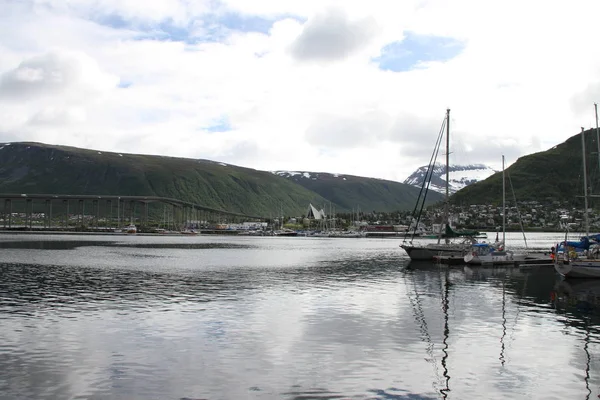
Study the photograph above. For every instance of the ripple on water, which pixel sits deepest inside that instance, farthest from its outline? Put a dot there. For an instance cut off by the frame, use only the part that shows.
(251, 318)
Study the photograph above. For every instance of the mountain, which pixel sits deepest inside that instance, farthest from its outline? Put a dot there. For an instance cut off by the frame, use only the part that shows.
(551, 175)
(41, 168)
(349, 192)
(460, 176)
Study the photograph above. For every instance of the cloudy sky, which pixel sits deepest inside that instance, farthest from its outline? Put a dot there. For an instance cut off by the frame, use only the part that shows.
(355, 87)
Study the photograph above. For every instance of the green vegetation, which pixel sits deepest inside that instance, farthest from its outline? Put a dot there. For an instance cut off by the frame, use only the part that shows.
(41, 168)
(348, 192)
(548, 176)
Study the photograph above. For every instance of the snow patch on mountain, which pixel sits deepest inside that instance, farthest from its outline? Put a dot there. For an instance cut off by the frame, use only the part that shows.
(460, 176)
(305, 175)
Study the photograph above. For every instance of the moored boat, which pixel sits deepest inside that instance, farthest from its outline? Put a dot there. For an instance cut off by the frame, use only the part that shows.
(580, 259)
(462, 240)
(496, 253)
(427, 252)
(585, 268)
(285, 232)
(492, 254)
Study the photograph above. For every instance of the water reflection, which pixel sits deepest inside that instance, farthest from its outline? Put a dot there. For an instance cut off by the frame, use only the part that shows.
(74, 244)
(579, 300)
(445, 305)
(351, 319)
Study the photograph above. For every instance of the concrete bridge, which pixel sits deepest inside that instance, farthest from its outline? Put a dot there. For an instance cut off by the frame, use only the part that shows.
(106, 211)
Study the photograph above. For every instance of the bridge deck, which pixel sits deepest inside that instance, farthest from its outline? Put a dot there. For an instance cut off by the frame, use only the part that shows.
(139, 199)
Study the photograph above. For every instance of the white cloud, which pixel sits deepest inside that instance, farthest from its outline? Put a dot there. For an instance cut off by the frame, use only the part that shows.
(59, 116)
(525, 81)
(71, 76)
(332, 36)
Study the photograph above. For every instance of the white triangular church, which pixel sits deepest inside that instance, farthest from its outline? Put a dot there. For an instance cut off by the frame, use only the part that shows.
(313, 213)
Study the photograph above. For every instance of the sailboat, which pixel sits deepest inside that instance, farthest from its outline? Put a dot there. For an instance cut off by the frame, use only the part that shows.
(568, 262)
(457, 249)
(495, 253)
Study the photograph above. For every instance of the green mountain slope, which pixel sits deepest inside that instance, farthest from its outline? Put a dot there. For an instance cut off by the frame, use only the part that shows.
(349, 192)
(554, 174)
(40, 168)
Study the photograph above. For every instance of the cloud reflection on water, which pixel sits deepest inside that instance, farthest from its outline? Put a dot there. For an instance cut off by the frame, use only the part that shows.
(346, 320)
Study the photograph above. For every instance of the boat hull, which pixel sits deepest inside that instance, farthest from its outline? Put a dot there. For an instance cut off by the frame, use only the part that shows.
(427, 253)
(494, 259)
(578, 269)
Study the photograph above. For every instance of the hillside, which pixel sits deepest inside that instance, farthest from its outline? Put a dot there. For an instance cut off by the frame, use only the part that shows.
(460, 176)
(554, 174)
(347, 192)
(41, 168)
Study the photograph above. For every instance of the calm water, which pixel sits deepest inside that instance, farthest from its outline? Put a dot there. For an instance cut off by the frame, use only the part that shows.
(103, 317)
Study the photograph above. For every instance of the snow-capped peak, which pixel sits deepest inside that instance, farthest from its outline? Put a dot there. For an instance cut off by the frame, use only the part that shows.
(460, 176)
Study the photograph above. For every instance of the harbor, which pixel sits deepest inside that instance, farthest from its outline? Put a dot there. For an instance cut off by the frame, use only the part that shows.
(299, 200)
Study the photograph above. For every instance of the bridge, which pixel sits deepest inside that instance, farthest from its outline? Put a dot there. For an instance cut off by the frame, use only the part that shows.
(67, 210)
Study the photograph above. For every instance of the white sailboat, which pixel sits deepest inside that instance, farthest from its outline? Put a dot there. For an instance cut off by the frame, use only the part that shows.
(456, 249)
(495, 253)
(586, 264)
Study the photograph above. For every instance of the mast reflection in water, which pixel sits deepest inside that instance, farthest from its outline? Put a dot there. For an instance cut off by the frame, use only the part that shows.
(295, 318)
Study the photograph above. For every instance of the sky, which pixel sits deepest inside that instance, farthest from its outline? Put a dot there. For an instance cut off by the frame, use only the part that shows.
(349, 87)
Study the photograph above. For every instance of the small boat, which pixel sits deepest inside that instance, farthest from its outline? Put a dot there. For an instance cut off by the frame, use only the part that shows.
(492, 254)
(353, 234)
(580, 259)
(131, 228)
(285, 232)
(495, 254)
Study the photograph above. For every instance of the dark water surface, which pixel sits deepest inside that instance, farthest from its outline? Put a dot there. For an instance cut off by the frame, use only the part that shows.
(102, 317)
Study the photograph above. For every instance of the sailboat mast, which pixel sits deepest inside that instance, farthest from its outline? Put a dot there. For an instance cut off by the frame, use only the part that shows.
(447, 205)
(597, 133)
(585, 194)
(503, 205)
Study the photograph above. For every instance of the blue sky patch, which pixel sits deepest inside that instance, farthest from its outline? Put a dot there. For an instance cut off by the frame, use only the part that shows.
(112, 20)
(220, 125)
(238, 22)
(210, 27)
(415, 49)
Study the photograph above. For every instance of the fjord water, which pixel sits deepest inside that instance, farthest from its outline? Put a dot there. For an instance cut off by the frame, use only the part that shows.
(140, 317)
